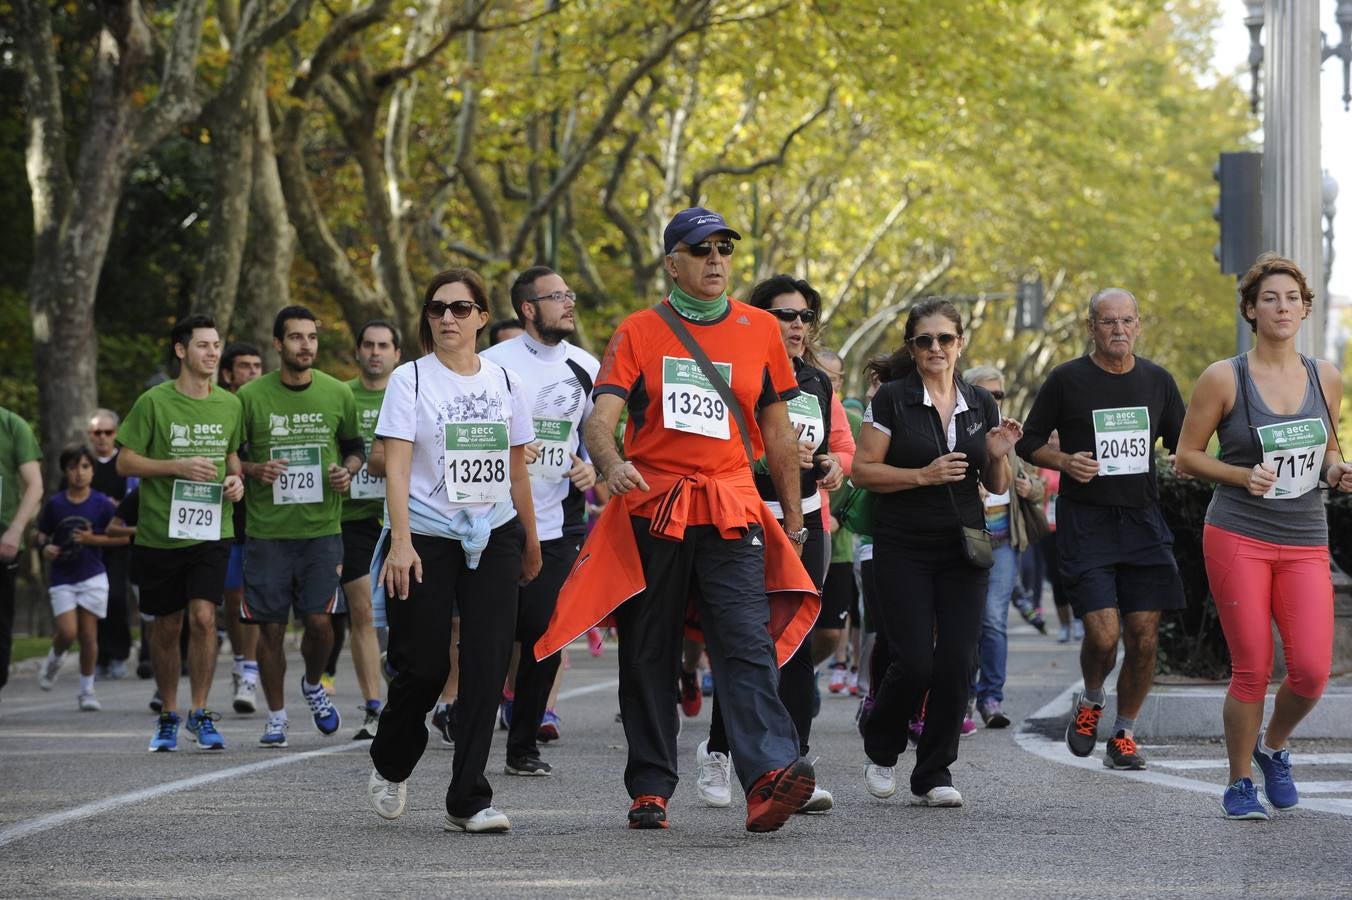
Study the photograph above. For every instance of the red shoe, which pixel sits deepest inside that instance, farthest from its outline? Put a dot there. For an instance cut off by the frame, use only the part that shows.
(779, 794)
(691, 697)
(648, 811)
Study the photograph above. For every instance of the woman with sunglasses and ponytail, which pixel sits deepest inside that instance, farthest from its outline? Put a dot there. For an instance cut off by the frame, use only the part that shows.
(459, 538)
(928, 437)
(1266, 535)
(819, 419)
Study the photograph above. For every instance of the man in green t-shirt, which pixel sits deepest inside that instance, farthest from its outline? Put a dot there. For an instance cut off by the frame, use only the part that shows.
(20, 497)
(181, 439)
(303, 446)
(377, 353)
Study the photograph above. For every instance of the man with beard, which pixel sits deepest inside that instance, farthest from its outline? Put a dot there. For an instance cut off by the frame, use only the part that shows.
(303, 448)
(557, 378)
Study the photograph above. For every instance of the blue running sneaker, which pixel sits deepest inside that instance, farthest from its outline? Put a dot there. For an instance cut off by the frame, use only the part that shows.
(1277, 784)
(1241, 801)
(274, 734)
(166, 734)
(326, 716)
(505, 712)
(201, 725)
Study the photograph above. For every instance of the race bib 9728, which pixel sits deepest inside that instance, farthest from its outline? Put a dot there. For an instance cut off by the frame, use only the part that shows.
(303, 479)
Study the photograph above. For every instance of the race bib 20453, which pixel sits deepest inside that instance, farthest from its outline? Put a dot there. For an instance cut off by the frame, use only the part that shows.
(1122, 440)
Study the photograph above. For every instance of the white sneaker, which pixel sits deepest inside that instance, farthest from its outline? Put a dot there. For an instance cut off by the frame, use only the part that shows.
(50, 669)
(485, 821)
(939, 796)
(387, 797)
(881, 781)
(821, 801)
(714, 780)
(246, 694)
(89, 703)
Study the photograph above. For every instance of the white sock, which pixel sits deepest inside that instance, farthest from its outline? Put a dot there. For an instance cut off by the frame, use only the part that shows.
(238, 668)
(1096, 698)
(86, 684)
(1264, 748)
(250, 670)
(308, 688)
(53, 656)
(278, 715)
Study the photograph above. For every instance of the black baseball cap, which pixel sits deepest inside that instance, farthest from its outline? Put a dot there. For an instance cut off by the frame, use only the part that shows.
(694, 225)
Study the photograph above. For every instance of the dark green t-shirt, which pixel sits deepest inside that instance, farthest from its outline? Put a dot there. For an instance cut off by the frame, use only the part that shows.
(366, 497)
(17, 446)
(166, 424)
(304, 426)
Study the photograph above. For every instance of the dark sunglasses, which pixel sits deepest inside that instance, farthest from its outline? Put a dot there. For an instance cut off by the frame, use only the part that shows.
(704, 248)
(103, 432)
(461, 309)
(784, 314)
(926, 341)
(998, 395)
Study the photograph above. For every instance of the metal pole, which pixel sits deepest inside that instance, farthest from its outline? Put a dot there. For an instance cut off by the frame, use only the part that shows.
(1291, 170)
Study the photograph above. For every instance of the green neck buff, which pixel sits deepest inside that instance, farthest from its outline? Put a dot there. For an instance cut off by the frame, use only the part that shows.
(698, 310)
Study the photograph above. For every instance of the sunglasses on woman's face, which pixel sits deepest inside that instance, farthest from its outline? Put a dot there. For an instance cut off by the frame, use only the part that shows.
(926, 341)
(461, 309)
(785, 314)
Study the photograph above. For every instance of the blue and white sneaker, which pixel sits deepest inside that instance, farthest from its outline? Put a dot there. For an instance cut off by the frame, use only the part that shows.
(166, 734)
(1241, 801)
(1277, 783)
(326, 716)
(201, 725)
(274, 734)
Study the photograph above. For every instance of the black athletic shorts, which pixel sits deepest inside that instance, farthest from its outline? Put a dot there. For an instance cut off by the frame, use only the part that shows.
(1116, 557)
(168, 579)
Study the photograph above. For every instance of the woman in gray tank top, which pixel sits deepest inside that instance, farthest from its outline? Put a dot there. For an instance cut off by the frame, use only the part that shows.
(1266, 535)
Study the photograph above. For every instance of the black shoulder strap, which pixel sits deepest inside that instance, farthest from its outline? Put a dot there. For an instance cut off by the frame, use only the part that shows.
(582, 377)
(719, 383)
(1312, 366)
(415, 380)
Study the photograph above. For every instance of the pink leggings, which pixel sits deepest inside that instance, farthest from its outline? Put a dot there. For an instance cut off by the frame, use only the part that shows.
(1255, 582)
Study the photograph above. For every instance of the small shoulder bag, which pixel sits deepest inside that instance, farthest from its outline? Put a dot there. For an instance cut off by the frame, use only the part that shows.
(975, 542)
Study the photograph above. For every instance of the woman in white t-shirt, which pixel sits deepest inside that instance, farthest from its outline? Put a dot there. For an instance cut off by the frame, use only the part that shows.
(459, 539)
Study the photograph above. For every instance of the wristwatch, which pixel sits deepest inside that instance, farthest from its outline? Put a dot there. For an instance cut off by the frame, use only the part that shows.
(799, 537)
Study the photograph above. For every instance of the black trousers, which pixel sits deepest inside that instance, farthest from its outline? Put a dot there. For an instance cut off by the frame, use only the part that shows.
(534, 680)
(881, 657)
(419, 651)
(114, 628)
(727, 578)
(8, 576)
(929, 604)
(797, 675)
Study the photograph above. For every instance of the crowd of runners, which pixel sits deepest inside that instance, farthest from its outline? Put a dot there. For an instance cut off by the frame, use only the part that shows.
(706, 492)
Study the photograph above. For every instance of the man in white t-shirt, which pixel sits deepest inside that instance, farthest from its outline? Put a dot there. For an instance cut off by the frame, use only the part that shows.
(557, 380)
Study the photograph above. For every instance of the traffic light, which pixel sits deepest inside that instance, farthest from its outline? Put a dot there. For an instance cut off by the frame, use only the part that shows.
(1029, 298)
(1239, 211)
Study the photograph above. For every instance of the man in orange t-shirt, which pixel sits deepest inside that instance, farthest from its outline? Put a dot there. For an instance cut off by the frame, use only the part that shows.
(698, 524)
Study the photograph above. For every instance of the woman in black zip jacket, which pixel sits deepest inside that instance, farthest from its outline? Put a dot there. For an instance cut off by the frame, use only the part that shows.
(927, 438)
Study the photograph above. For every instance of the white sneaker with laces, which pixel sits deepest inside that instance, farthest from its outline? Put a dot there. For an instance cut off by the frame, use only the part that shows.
(50, 669)
(485, 821)
(939, 796)
(246, 694)
(881, 781)
(714, 781)
(387, 797)
(89, 703)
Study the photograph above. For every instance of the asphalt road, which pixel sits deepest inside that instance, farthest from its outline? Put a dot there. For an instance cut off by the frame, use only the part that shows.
(86, 811)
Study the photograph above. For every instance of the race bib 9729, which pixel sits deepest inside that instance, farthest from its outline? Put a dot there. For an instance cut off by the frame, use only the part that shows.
(195, 510)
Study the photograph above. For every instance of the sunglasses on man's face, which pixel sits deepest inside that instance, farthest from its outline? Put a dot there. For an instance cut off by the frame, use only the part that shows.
(704, 248)
(785, 314)
(103, 432)
(461, 309)
(926, 341)
(998, 395)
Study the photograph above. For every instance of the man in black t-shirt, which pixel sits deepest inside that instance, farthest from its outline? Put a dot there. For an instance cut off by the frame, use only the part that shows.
(114, 629)
(1115, 551)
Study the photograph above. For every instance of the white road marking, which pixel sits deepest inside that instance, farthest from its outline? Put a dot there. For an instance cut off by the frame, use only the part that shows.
(30, 827)
(1307, 759)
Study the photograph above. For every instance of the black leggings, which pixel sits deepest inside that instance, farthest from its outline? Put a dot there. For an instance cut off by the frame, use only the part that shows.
(796, 675)
(929, 604)
(420, 642)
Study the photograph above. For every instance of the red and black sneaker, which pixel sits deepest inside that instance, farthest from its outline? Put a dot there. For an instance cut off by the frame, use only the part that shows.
(648, 811)
(691, 696)
(778, 794)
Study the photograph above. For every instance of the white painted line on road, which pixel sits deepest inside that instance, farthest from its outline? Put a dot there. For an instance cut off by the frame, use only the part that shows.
(79, 813)
(70, 734)
(1308, 759)
(31, 827)
(1325, 787)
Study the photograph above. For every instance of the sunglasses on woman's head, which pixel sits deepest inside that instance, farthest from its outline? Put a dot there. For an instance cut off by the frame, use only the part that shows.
(461, 309)
(785, 314)
(926, 341)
